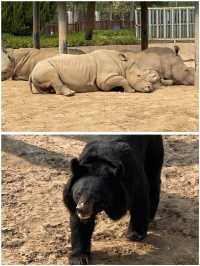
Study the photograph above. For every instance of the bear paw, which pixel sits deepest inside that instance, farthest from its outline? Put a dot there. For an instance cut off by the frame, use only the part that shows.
(79, 260)
(134, 236)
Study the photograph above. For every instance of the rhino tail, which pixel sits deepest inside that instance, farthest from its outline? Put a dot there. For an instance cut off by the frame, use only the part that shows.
(30, 84)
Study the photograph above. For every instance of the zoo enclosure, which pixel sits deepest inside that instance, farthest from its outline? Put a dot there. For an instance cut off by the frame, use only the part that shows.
(168, 23)
(164, 23)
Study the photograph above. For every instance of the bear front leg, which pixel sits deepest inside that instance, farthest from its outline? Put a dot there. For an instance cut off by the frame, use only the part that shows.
(139, 219)
(81, 233)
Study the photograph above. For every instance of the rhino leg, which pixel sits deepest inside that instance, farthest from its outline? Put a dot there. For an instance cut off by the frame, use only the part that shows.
(45, 77)
(67, 92)
(157, 85)
(117, 81)
(147, 88)
(62, 89)
(143, 86)
(167, 82)
(167, 71)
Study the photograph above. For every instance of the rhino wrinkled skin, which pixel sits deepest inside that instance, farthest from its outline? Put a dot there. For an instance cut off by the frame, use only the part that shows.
(6, 66)
(19, 63)
(166, 62)
(98, 70)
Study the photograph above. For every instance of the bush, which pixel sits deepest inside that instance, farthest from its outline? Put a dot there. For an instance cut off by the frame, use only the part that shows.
(100, 37)
(17, 17)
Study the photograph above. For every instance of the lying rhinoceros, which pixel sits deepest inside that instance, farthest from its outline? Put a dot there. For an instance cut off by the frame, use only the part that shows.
(7, 66)
(169, 65)
(99, 70)
(18, 63)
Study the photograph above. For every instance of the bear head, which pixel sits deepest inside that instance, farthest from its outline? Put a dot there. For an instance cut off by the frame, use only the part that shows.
(92, 193)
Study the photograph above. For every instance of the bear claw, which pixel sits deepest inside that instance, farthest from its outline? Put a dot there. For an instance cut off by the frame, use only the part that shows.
(79, 260)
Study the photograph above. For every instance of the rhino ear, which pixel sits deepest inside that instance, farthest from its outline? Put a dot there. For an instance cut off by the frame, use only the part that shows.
(123, 57)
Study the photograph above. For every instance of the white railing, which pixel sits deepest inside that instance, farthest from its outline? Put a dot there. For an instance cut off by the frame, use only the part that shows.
(168, 23)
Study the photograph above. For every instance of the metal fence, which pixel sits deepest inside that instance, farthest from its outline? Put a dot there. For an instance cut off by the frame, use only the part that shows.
(168, 23)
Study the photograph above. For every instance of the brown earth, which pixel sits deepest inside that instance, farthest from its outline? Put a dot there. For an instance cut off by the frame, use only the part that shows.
(173, 108)
(35, 223)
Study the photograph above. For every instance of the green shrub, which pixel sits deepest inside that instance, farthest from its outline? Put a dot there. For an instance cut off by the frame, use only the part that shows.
(100, 37)
(17, 17)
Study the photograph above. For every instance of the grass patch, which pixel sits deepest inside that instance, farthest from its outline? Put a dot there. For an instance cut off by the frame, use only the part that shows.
(100, 37)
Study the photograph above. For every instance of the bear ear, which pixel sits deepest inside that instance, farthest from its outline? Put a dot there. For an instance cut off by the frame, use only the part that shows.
(74, 165)
(119, 172)
(77, 169)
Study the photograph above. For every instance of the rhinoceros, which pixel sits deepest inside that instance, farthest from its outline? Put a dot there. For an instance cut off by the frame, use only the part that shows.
(7, 66)
(169, 65)
(98, 70)
(18, 63)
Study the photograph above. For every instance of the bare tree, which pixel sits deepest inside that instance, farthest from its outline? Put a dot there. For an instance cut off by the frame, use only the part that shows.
(90, 20)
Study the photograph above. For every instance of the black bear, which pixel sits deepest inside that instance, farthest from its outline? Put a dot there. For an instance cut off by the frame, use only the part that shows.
(113, 176)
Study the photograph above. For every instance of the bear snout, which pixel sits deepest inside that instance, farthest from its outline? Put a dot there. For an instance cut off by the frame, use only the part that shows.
(84, 210)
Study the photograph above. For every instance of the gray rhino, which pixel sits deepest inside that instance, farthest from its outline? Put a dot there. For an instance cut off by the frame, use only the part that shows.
(7, 66)
(169, 65)
(18, 63)
(98, 70)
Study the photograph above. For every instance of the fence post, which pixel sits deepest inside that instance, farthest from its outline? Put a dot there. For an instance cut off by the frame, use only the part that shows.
(149, 21)
(36, 25)
(187, 22)
(179, 28)
(172, 20)
(62, 27)
(157, 29)
(164, 23)
(144, 25)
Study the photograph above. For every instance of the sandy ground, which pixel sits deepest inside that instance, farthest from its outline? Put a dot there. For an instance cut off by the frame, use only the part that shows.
(173, 108)
(35, 223)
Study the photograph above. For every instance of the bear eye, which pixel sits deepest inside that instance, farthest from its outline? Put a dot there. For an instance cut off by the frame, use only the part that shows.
(77, 195)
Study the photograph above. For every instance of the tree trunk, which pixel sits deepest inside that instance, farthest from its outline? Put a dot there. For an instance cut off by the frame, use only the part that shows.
(110, 14)
(36, 25)
(62, 27)
(90, 20)
(132, 14)
(144, 25)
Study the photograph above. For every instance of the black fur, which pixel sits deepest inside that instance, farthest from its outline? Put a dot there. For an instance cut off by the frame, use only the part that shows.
(124, 174)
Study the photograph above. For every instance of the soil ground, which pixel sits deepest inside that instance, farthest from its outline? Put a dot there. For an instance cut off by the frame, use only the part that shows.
(173, 108)
(35, 223)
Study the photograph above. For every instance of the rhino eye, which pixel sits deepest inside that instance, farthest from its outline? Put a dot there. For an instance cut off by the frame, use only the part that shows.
(138, 75)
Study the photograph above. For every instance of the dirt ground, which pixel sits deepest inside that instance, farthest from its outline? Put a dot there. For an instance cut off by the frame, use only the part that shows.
(35, 223)
(173, 108)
